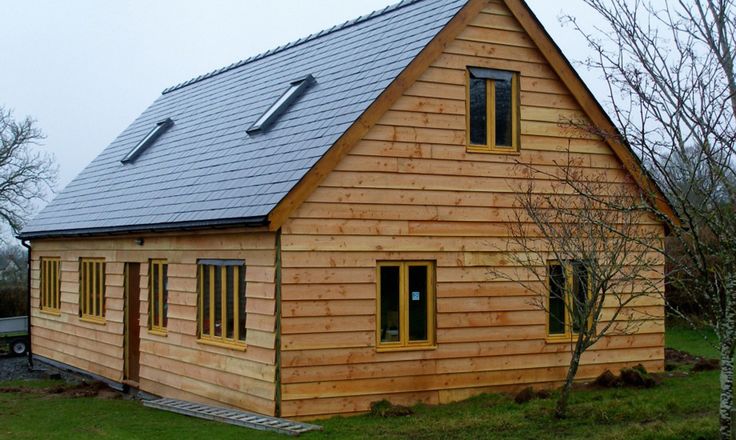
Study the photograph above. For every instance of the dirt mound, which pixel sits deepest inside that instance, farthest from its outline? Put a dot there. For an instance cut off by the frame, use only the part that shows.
(675, 358)
(704, 364)
(528, 393)
(384, 408)
(635, 377)
(606, 380)
(680, 357)
(524, 395)
(82, 389)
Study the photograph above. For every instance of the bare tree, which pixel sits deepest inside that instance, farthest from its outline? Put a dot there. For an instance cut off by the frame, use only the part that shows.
(582, 246)
(25, 175)
(672, 94)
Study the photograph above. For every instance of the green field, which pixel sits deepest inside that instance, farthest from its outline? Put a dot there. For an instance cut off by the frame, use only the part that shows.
(682, 407)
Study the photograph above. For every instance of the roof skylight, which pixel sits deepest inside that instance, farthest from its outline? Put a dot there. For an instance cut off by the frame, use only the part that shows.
(146, 142)
(296, 89)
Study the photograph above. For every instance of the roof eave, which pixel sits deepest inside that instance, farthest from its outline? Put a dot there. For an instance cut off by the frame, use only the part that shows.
(247, 222)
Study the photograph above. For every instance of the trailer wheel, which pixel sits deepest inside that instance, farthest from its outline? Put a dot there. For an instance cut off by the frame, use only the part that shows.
(19, 347)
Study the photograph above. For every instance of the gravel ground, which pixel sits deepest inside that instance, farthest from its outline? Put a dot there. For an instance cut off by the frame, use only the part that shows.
(16, 368)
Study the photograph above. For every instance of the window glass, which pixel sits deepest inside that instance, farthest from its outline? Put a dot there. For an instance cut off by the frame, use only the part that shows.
(478, 111)
(217, 293)
(492, 107)
(406, 304)
(557, 309)
(418, 303)
(222, 312)
(155, 295)
(50, 284)
(390, 310)
(230, 311)
(158, 295)
(165, 294)
(580, 296)
(240, 280)
(503, 114)
(206, 293)
(92, 289)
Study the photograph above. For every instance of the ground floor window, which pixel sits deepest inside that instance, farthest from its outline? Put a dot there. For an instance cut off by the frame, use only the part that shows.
(569, 293)
(92, 289)
(406, 304)
(222, 301)
(50, 284)
(158, 296)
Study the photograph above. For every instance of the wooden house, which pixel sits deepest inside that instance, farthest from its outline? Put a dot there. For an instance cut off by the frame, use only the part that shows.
(310, 230)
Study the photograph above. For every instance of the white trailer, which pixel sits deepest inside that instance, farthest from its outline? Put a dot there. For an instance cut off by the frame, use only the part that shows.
(14, 334)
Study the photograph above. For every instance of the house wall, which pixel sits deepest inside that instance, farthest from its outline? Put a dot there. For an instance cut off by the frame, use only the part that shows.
(410, 191)
(175, 365)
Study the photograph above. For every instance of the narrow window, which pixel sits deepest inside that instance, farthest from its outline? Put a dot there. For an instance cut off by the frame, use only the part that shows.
(569, 295)
(493, 110)
(579, 295)
(50, 286)
(158, 296)
(406, 309)
(222, 302)
(92, 289)
(557, 311)
(390, 298)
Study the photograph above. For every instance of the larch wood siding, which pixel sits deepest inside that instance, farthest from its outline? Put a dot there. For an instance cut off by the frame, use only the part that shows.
(410, 191)
(175, 365)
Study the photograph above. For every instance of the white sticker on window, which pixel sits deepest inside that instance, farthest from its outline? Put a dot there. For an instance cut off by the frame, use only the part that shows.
(415, 296)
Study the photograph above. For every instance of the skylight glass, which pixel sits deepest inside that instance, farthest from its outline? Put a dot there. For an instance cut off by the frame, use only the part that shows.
(147, 141)
(296, 89)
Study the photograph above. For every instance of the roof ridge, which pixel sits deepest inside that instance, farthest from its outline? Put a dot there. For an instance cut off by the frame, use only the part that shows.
(311, 37)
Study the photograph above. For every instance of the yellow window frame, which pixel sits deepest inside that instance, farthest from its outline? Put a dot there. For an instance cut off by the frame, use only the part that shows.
(157, 326)
(404, 343)
(208, 337)
(50, 285)
(490, 146)
(92, 290)
(569, 302)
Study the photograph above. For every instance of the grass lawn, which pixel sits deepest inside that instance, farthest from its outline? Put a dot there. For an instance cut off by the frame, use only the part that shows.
(680, 408)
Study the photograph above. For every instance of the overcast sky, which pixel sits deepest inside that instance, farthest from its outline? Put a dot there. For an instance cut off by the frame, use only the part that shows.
(84, 69)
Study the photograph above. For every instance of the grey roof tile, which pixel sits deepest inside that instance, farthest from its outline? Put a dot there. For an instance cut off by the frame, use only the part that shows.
(206, 168)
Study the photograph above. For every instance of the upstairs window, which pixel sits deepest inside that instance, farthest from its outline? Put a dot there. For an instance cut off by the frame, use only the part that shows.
(569, 294)
(92, 289)
(148, 140)
(406, 310)
(50, 285)
(158, 296)
(294, 92)
(492, 110)
(222, 302)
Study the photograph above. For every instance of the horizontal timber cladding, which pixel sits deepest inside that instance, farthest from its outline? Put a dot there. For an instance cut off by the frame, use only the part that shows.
(172, 363)
(410, 191)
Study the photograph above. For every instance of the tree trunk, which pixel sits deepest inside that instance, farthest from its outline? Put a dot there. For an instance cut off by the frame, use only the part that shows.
(561, 407)
(727, 330)
(726, 389)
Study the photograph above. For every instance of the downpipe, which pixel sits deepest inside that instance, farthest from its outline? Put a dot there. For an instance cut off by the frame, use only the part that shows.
(26, 244)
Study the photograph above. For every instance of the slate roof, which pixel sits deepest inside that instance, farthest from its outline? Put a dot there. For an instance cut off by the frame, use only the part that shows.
(206, 170)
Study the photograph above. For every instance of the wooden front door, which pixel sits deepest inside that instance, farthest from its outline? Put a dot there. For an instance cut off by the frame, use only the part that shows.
(132, 321)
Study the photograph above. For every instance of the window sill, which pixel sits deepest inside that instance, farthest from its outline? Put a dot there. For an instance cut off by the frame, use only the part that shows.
(489, 150)
(561, 339)
(51, 312)
(158, 332)
(384, 349)
(228, 345)
(93, 320)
